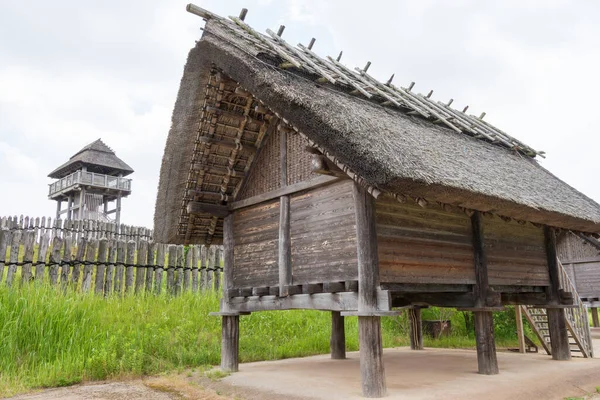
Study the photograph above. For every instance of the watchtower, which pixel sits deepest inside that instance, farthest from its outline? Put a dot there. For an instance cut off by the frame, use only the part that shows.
(91, 179)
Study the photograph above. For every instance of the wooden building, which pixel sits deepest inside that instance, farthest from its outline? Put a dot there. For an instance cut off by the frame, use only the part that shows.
(333, 191)
(580, 256)
(89, 182)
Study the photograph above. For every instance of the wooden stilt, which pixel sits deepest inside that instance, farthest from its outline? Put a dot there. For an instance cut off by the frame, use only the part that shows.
(487, 362)
(230, 343)
(416, 328)
(557, 323)
(369, 328)
(338, 337)
(595, 317)
(520, 332)
(559, 335)
(371, 357)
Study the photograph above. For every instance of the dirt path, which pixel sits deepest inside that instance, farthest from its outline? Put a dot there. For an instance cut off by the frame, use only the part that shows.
(419, 375)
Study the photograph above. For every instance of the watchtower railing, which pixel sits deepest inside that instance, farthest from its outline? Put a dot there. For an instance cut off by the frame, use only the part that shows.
(92, 179)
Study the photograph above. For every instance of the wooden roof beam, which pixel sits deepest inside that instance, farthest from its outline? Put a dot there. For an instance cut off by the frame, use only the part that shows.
(228, 144)
(216, 210)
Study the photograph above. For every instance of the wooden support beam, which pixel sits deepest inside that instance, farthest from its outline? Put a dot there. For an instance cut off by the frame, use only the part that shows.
(520, 331)
(595, 317)
(557, 323)
(228, 256)
(232, 114)
(217, 169)
(230, 343)
(217, 210)
(296, 187)
(337, 343)
(416, 328)
(285, 241)
(487, 361)
(228, 144)
(369, 328)
(486, 347)
(372, 372)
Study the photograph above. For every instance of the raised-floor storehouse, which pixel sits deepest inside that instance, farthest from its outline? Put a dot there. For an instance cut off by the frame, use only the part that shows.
(333, 191)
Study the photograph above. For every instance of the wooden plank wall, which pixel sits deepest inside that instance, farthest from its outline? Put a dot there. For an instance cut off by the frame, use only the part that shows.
(516, 253)
(256, 234)
(581, 260)
(323, 233)
(423, 245)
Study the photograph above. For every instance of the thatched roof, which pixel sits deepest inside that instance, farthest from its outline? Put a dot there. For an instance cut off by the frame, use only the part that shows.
(408, 148)
(97, 157)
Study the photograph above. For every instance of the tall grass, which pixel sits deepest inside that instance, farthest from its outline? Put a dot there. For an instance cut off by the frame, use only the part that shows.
(51, 338)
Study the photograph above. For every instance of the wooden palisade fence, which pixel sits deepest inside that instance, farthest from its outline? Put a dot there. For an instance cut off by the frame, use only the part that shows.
(102, 259)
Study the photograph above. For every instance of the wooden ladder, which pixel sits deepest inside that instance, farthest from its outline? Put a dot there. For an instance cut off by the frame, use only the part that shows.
(580, 341)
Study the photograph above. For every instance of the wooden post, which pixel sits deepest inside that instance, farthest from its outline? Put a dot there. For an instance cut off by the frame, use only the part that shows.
(595, 317)
(285, 243)
(66, 260)
(121, 250)
(130, 259)
(26, 274)
(416, 328)
(110, 267)
(171, 268)
(101, 265)
(195, 252)
(79, 259)
(337, 343)
(520, 331)
(557, 323)
(151, 264)
(228, 256)
(187, 271)
(487, 361)
(4, 241)
(369, 327)
(55, 259)
(179, 278)
(142, 260)
(14, 256)
(230, 340)
(90, 257)
(160, 263)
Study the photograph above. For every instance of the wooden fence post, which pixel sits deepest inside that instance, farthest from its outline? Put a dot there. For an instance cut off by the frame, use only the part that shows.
(4, 240)
(160, 262)
(40, 266)
(217, 269)
(88, 267)
(55, 258)
(66, 258)
(26, 274)
(204, 268)
(142, 261)
(187, 271)
(195, 253)
(120, 267)
(179, 277)
(110, 267)
(101, 265)
(14, 256)
(129, 268)
(150, 263)
(172, 261)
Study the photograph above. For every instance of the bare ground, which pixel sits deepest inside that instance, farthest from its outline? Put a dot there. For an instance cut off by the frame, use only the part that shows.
(429, 374)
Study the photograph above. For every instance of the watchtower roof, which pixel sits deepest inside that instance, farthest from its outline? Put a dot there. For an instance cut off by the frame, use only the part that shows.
(96, 157)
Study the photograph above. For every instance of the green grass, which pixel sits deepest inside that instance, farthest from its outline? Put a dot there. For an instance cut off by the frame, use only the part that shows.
(50, 338)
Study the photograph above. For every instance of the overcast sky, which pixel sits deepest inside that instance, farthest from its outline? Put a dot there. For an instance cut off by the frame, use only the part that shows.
(73, 71)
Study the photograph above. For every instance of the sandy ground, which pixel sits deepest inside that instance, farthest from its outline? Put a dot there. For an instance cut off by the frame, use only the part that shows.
(418, 375)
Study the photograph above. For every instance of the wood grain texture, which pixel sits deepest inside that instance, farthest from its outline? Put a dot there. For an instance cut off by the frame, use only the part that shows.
(323, 234)
(416, 328)
(256, 237)
(515, 253)
(423, 245)
(230, 339)
(487, 362)
(371, 357)
(337, 344)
